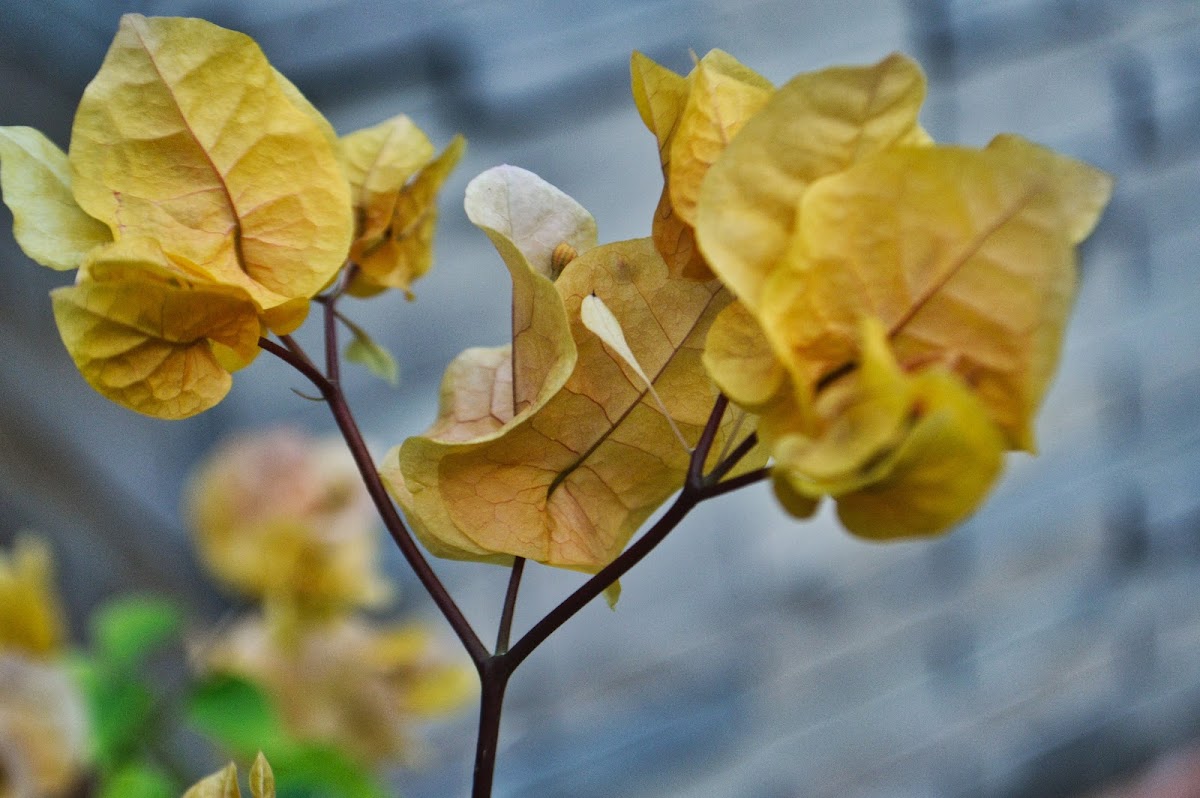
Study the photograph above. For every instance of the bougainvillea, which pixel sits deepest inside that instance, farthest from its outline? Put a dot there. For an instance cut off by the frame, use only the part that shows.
(827, 298)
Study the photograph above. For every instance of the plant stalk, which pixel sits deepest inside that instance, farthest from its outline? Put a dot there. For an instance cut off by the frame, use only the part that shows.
(496, 669)
(344, 418)
(493, 682)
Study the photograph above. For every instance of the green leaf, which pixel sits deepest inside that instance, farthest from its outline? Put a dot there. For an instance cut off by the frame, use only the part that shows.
(128, 630)
(365, 351)
(138, 781)
(121, 710)
(612, 594)
(236, 713)
(310, 769)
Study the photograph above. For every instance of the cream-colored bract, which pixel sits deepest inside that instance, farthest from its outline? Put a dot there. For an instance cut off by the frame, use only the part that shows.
(224, 783)
(551, 448)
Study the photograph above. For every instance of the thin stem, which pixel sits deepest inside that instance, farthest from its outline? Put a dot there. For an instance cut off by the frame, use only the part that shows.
(596, 585)
(689, 497)
(704, 445)
(395, 526)
(383, 503)
(294, 357)
(295, 348)
(740, 481)
(510, 605)
(332, 364)
(725, 466)
(494, 681)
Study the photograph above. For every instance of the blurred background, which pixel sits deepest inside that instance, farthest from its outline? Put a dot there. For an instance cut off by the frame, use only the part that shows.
(1050, 647)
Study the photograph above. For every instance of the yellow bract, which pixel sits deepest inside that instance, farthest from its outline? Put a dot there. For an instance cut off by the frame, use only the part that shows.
(693, 118)
(814, 125)
(901, 305)
(224, 783)
(966, 256)
(186, 136)
(207, 201)
(903, 454)
(397, 186)
(568, 479)
(562, 454)
(527, 220)
(146, 335)
(47, 223)
(224, 195)
(44, 727)
(380, 160)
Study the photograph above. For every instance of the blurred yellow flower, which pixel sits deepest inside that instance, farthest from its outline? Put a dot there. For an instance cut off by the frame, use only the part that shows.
(31, 622)
(345, 682)
(285, 518)
(43, 718)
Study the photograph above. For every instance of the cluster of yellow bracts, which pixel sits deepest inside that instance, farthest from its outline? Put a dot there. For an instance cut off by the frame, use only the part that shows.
(886, 312)
(900, 304)
(204, 202)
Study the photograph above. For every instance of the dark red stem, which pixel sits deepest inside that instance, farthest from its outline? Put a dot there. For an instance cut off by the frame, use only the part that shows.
(496, 669)
(344, 418)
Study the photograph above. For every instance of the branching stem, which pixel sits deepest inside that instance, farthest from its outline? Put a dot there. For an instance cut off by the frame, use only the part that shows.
(344, 418)
(510, 605)
(495, 669)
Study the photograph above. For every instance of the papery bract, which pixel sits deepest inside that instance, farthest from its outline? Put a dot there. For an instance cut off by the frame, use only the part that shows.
(814, 125)
(966, 256)
(31, 618)
(149, 337)
(204, 200)
(903, 454)
(569, 478)
(187, 137)
(693, 118)
(380, 160)
(551, 449)
(48, 224)
(527, 220)
(395, 245)
(224, 783)
(832, 213)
